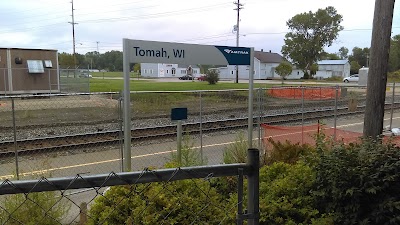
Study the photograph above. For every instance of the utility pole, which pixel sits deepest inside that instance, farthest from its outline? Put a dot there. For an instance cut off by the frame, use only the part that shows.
(238, 8)
(73, 33)
(378, 68)
(97, 47)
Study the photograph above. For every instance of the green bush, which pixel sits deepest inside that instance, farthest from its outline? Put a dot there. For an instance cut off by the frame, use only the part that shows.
(212, 76)
(287, 152)
(179, 202)
(45, 208)
(285, 196)
(236, 152)
(360, 183)
(189, 156)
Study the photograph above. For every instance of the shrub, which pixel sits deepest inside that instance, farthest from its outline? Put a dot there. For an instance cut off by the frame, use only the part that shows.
(189, 156)
(285, 196)
(44, 208)
(237, 151)
(360, 183)
(287, 152)
(179, 202)
(212, 76)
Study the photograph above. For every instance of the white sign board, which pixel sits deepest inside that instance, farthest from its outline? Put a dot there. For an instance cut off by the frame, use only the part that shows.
(138, 51)
(187, 54)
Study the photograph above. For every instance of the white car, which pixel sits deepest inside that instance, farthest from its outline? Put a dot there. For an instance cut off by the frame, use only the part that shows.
(352, 78)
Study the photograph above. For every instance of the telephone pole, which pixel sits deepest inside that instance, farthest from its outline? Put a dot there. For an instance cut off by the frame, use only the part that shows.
(238, 8)
(73, 33)
(378, 68)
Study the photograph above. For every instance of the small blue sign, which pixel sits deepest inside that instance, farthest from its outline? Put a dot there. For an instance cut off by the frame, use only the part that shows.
(178, 113)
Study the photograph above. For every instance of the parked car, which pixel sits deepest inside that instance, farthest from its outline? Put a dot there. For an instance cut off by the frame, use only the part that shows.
(352, 78)
(186, 77)
(86, 75)
(202, 78)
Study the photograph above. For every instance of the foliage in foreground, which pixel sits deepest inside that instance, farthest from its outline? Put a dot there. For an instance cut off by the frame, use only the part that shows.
(179, 202)
(285, 196)
(360, 183)
(45, 208)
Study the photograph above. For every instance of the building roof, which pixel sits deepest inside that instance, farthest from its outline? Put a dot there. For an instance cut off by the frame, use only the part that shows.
(332, 62)
(35, 49)
(187, 66)
(268, 57)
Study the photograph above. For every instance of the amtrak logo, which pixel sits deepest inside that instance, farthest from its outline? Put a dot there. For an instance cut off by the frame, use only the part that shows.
(230, 51)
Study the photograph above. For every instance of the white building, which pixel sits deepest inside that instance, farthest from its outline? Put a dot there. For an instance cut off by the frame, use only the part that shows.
(264, 68)
(166, 70)
(331, 68)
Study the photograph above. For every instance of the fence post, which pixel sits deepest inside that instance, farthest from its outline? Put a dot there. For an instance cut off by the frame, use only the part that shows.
(259, 118)
(253, 186)
(179, 141)
(83, 214)
(392, 106)
(335, 116)
(120, 135)
(239, 218)
(302, 115)
(15, 138)
(201, 128)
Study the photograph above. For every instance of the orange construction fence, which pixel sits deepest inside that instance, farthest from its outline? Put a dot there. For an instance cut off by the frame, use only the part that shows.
(310, 93)
(307, 134)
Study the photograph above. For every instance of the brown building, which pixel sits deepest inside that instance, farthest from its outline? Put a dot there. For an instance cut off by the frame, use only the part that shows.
(28, 71)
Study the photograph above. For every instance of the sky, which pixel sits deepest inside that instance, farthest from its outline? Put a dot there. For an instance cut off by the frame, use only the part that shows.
(102, 24)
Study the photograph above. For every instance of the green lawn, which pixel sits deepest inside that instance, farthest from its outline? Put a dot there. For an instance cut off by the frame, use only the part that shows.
(100, 85)
(111, 74)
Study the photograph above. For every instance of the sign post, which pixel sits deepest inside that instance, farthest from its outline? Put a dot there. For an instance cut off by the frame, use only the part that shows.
(179, 114)
(138, 51)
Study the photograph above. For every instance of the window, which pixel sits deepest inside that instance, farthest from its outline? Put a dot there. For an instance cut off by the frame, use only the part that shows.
(173, 71)
(183, 71)
(151, 71)
(35, 66)
(167, 71)
(232, 72)
(48, 64)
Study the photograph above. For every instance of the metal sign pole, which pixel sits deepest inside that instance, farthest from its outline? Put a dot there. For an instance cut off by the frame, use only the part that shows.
(179, 142)
(126, 109)
(251, 87)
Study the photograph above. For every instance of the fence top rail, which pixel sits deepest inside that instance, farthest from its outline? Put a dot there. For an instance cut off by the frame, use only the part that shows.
(56, 95)
(126, 178)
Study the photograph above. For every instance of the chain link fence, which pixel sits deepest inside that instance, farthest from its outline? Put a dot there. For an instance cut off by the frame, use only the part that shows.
(66, 134)
(51, 133)
(190, 195)
(61, 135)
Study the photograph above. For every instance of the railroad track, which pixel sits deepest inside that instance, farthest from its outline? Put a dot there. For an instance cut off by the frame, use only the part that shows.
(59, 143)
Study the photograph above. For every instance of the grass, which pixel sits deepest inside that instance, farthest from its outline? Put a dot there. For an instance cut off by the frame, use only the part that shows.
(100, 85)
(111, 74)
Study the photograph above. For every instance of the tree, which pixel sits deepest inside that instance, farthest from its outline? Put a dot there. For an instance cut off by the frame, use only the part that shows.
(343, 52)
(394, 55)
(360, 55)
(284, 69)
(354, 67)
(329, 56)
(310, 33)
